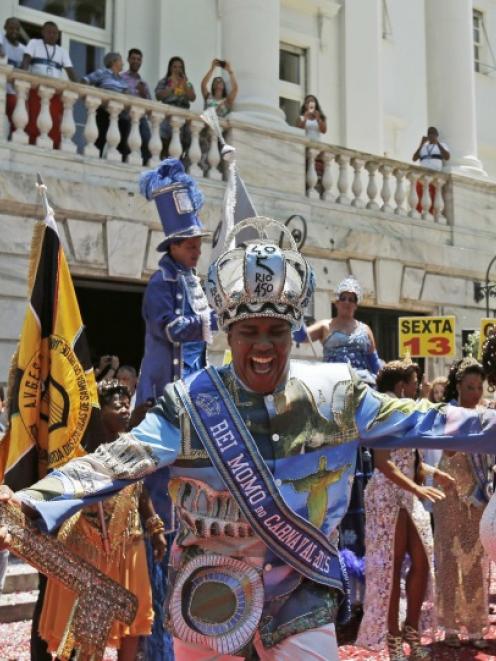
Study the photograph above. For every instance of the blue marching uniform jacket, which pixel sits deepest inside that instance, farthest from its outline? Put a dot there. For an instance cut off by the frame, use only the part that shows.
(177, 318)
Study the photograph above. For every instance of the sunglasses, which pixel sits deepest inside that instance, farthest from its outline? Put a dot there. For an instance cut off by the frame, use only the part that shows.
(347, 299)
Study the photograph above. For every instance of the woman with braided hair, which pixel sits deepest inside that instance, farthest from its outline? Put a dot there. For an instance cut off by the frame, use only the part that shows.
(461, 568)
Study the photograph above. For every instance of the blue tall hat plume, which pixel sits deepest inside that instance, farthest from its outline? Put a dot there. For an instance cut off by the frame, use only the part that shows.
(178, 200)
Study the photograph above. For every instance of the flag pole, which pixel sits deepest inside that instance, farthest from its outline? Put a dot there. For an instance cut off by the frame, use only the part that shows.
(42, 190)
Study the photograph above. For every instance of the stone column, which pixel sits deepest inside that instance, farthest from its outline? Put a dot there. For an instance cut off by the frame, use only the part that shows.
(362, 90)
(451, 80)
(250, 42)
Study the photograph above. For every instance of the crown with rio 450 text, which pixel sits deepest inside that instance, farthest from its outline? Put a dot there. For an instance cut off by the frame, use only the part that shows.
(260, 279)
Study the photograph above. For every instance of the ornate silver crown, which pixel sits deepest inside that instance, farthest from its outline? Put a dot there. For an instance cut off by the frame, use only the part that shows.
(260, 279)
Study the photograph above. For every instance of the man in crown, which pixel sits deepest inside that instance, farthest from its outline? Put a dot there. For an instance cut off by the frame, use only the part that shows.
(261, 456)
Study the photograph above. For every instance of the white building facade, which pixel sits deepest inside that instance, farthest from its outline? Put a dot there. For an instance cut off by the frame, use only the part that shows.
(383, 71)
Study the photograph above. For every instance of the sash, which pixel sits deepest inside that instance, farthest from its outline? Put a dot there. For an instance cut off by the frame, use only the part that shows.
(233, 452)
(482, 468)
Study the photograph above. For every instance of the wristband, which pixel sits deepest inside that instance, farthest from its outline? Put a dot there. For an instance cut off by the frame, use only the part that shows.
(154, 525)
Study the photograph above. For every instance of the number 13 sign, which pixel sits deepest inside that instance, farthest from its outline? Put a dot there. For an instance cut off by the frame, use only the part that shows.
(426, 337)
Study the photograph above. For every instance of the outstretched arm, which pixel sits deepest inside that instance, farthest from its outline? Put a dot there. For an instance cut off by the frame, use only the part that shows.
(386, 422)
(382, 461)
(206, 78)
(154, 443)
(231, 97)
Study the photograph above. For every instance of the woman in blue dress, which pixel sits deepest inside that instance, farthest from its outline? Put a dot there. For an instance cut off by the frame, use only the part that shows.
(344, 338)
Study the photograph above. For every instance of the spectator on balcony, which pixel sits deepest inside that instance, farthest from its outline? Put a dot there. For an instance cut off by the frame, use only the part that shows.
(432, 154)
(218, 96)
(175, 89)
(138, 87)
(46, 58)
(13, 50)
(109, 78)
(311, 118)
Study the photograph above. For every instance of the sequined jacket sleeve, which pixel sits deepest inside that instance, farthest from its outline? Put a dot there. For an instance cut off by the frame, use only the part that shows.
(151, 445)
(385, 422)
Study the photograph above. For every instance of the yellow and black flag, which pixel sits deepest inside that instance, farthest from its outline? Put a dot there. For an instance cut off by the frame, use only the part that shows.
(53, 400)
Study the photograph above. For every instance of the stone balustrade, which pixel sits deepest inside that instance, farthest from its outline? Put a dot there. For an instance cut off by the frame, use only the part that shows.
(203, 155)
(333, 174)
(372, 182)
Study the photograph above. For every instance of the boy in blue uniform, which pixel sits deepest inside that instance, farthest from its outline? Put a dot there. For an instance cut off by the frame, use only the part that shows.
(178, 319)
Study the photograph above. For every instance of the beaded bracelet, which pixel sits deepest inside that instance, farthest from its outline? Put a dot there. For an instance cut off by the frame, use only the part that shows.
(154, 525)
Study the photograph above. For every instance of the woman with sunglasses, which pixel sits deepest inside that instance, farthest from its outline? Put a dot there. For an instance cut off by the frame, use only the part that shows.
(344, 338)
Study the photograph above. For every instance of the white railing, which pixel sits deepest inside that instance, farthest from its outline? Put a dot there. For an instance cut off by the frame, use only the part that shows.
(203, 155)
(333, 174)
(381, 184)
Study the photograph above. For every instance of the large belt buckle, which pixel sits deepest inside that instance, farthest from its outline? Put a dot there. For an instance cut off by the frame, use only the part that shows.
(217, 602)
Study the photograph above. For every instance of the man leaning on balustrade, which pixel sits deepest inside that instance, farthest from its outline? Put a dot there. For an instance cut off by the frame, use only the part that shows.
(45, 57)
(109, 78)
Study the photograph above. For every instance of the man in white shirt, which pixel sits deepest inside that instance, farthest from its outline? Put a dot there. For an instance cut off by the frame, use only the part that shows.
(432, 154)
(46, 58)
(13, 50)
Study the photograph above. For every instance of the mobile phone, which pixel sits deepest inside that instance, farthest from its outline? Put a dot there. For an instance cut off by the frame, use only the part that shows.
(221, 63)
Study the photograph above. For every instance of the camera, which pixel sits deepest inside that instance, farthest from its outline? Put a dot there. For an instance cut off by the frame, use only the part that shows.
(221, 63)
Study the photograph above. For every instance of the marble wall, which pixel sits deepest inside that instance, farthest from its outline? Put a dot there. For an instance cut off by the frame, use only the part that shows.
(110, 233)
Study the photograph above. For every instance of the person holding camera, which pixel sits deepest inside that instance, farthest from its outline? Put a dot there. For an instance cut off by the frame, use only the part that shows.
(311, 118)
(218, 96)
(176, 90)
(432, 154)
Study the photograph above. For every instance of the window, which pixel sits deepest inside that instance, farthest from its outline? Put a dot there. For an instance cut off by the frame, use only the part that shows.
(89, 12)
(387, 29)
(477, 22)
(290, 65)
(291, 110)
(484, 59)
(292, 80)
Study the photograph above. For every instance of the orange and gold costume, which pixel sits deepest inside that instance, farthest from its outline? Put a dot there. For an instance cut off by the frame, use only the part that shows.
(125, 563)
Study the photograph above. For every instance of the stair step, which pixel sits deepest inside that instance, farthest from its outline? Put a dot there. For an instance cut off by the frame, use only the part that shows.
(17, 606)
(20, 577)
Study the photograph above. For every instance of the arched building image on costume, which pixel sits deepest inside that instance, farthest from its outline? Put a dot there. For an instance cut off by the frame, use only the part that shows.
(416, 238)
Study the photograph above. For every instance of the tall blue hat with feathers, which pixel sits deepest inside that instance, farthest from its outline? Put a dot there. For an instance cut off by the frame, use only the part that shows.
(178, 201)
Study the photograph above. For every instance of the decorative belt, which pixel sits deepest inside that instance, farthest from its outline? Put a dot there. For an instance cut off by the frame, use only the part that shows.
(217, 602)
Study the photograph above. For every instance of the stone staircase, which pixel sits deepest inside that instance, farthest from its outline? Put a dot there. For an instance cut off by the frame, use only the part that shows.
(20, 592)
